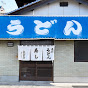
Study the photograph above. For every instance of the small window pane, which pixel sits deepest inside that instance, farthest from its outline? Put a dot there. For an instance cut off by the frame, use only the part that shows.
(62, 4)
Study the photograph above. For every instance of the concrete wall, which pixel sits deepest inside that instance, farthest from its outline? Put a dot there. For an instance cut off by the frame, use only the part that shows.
(9, 64)
(54, 9)
(65, 69)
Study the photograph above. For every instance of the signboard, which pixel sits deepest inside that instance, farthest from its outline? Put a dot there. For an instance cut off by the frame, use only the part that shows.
(36, 53)
(43, 27)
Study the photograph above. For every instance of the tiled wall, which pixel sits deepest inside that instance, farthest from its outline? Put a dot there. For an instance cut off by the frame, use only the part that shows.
(65, 69)
(9, 64)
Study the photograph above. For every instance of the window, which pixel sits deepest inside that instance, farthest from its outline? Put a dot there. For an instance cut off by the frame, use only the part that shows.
(63, 4)
(81, 51)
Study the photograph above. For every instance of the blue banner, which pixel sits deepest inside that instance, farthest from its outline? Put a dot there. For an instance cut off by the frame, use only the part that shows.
(44, 27)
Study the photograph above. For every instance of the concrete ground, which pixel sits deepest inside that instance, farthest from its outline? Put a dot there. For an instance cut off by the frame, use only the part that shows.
(34, 84)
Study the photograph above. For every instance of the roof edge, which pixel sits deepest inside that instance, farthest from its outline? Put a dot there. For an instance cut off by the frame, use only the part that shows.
(37, 4)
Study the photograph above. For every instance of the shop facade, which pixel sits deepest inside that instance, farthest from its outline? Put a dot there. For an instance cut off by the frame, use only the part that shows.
(70, 47)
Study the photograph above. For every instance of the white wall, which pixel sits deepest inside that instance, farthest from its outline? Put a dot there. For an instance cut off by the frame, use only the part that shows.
(54, 9)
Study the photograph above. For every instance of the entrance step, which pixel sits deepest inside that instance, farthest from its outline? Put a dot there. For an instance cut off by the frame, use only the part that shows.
(39, 83)
(30, 83)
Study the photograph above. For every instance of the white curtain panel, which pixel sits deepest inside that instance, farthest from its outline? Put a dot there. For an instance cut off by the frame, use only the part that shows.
(24, 53)
(48, 53)
(36, 53)
(20, 52)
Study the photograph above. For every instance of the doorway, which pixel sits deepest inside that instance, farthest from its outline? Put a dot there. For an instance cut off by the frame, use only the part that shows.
(36, 71)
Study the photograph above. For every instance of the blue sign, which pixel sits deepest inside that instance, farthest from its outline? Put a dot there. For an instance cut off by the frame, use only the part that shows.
(44, 27)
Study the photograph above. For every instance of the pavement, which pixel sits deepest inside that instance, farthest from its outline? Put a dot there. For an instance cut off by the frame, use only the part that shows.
(39, 84)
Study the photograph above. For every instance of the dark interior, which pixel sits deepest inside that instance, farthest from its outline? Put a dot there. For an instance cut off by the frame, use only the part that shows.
(81, 51)
(21, 3)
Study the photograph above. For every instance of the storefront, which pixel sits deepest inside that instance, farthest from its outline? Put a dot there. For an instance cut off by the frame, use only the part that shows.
(44, 48)
(36, 60)
(27, 41)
